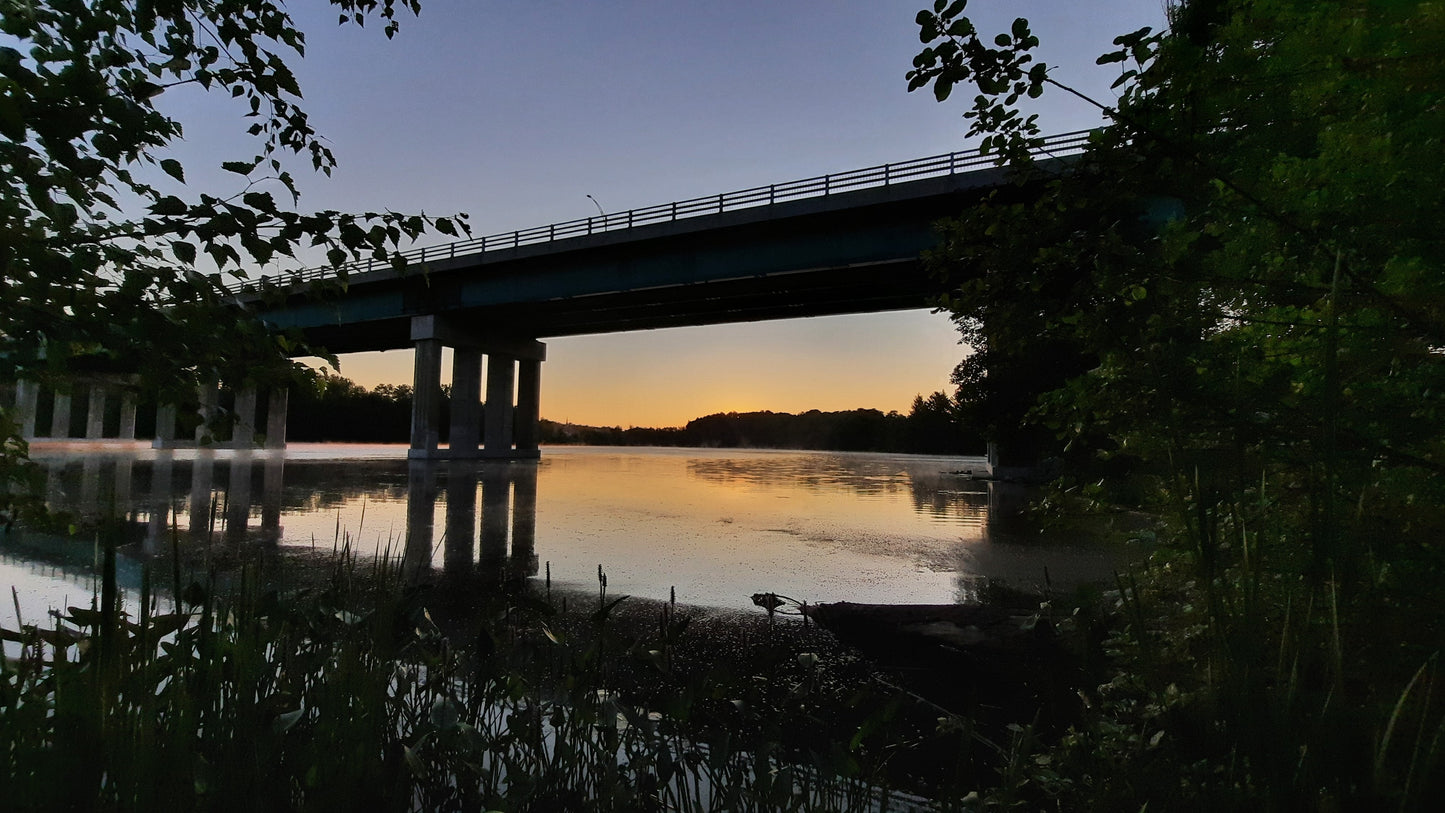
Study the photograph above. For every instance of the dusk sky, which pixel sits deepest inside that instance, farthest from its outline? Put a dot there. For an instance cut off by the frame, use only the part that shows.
(516, 111)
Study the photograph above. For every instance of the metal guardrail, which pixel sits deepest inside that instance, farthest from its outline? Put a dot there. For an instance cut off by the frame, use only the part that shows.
(822, 186)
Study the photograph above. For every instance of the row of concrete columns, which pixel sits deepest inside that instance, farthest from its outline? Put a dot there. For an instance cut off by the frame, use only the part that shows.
(99, 391)
(243, 428)
(505, 427)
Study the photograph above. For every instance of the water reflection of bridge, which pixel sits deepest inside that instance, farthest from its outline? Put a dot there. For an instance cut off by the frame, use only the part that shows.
(239, 497)
(490, 528)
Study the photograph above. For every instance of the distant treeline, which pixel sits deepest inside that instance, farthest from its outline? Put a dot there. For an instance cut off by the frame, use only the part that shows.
(341, 410)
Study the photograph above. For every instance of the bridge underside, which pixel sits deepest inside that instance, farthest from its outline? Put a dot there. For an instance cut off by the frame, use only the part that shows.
(848, 253)
(857, 252)
(870, 288)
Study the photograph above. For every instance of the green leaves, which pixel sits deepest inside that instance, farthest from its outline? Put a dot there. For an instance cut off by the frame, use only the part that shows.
(102, 258)
(240, 167)
(955, 54)
(172, 167)
(185, 252)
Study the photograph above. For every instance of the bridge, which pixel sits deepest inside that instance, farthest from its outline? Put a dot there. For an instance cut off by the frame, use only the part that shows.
(835, 244)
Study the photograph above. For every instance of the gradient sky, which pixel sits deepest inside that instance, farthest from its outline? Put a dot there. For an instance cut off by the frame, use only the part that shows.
(514, 111)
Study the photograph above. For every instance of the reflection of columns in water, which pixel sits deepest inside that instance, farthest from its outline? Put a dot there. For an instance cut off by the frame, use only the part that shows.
(271, 480)
(89, 484)
(238, 498)
(124, 471)
(1007, 502)
(55, 485)
(160, 501)
(508, 497)
(200, 502)
(421, 498)
(461, 529)
(524, 521)
(496, 503)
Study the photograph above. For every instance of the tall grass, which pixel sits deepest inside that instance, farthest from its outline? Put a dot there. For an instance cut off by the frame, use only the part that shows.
(352, 696)
(1235, 680)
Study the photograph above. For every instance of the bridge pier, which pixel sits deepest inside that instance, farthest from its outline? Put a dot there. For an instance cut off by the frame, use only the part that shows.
(508, 420)
(60, 416)
(501, 375)
(466, 402)
(276, 405)
(27, 404)
(208, 396)
(95, 412)
(243, 431)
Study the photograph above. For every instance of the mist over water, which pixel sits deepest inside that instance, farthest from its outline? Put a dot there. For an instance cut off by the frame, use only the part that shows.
(715, 525)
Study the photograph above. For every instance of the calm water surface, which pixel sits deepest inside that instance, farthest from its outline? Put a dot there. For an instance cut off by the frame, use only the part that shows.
(715, 525)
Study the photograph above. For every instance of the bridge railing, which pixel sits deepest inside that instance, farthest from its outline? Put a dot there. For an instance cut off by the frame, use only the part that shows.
(821, 186)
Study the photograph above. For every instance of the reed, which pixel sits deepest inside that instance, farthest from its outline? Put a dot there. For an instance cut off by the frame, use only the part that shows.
(353, 695)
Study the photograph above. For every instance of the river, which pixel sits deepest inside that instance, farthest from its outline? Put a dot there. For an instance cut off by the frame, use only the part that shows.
(712, 525)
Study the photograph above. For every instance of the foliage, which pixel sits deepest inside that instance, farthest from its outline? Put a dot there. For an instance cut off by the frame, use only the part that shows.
(108, 261)
(338, 409)
(369, 693)
(1237, 293)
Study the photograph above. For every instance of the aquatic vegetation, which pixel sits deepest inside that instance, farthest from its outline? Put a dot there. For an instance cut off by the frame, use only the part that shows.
(359, 695)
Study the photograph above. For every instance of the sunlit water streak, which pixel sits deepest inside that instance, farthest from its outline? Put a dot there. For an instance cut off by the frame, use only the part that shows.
(715, 525)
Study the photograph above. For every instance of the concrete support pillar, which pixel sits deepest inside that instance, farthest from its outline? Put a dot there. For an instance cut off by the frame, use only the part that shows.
(271, 482)
(127, 414)
(243, 431)
(276, 418)
(426, 399)
(60, 416)
(466, 402)
(27, 405)
(529, 406)
(95, 412)
(165, 426)
(501, 372)
(209, 396)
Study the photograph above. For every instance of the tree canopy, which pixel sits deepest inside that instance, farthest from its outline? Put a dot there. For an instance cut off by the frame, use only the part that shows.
(1247, 260)
(1236, 295)
(103, 263)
